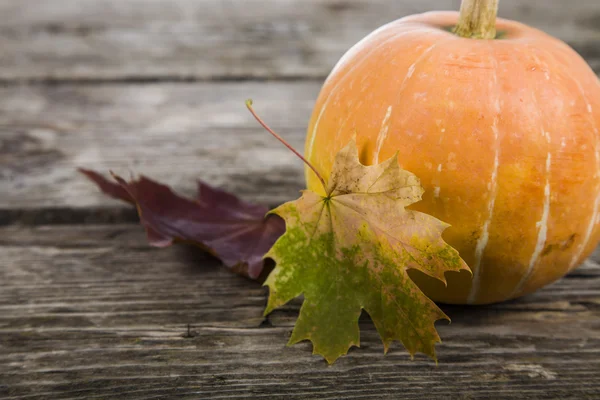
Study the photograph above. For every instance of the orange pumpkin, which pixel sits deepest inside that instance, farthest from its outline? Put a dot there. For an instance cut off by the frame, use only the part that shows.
(503, 133)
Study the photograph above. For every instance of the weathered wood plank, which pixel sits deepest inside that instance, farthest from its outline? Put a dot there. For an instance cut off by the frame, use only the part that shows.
(207, 39)
(93, 312)
(175, 133)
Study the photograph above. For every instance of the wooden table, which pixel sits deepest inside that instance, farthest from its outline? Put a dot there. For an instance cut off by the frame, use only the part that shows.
(89, 310)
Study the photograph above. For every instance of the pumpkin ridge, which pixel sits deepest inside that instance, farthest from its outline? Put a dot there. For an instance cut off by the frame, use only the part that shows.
(342, 79)
(409, 73)
(383, 132)
(484, 238)
(594, 218)
(596, 210)
(542, 224)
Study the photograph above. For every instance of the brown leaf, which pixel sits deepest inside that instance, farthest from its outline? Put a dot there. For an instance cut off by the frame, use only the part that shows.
(235, 231)
(112, 189)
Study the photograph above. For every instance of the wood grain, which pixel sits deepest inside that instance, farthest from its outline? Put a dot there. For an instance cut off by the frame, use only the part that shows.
(98, 40)
(175, 133)
(89, 311)
(93, 312)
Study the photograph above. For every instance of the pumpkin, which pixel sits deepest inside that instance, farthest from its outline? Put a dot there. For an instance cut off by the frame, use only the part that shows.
(500, 122)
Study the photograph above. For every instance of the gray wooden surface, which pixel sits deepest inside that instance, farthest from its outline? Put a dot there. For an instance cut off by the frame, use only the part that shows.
(207, 39)
(88, 310)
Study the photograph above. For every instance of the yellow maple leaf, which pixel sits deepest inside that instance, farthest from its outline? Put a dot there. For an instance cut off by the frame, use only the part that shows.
(350, 250)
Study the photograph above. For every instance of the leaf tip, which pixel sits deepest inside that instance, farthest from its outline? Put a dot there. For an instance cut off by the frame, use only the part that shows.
(386, 347)
(330, 358)
(468, 269)
(249, 102)
(443, 279)
(115, 176)
(331, 361)
(269, 307)
(353, 138)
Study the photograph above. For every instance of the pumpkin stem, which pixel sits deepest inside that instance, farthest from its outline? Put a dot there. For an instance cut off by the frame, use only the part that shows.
(477, 19)
(286, 144)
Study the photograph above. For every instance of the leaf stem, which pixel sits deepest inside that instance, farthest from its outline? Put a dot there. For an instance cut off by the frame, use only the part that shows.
(477, 19)
(286, 144)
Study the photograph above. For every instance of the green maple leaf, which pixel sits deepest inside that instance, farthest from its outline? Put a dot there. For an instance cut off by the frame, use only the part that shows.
(351, 250)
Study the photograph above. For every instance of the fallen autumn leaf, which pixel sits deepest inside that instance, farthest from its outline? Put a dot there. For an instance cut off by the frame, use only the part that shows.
(237, 232)
(351, 250)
